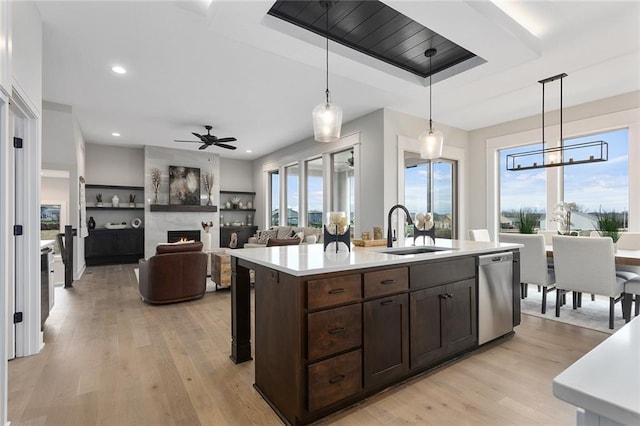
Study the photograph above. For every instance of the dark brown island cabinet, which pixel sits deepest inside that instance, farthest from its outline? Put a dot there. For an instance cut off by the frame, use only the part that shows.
(324, 342)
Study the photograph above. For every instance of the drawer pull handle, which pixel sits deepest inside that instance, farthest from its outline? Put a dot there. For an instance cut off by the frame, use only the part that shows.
(337, 330)
(337, 291)
(385, 282)
(387, 302)
(337, 379)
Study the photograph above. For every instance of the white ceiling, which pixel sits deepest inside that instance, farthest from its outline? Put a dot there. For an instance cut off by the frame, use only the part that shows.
(229, 64)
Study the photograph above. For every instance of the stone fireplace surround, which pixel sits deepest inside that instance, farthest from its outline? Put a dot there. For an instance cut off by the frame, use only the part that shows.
(158, 223)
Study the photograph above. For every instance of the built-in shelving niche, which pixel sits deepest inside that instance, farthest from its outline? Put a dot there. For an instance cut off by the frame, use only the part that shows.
(181, 208)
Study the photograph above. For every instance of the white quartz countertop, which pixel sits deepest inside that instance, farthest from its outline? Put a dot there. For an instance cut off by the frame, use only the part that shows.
(310, 259)
(606, 381)
(46, 243)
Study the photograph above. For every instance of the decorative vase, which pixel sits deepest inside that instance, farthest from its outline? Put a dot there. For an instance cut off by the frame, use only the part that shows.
(206, 241)
(228, 205)
(132, 205)
(91, 224)
(155, 198)
(115, 201)
(209, 202)
(249, 220)
(249, 205)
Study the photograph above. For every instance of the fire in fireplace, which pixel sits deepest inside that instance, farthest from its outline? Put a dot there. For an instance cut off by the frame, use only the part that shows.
(183, 235)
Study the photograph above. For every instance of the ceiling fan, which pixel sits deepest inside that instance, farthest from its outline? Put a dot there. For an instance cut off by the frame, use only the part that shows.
(209, 139)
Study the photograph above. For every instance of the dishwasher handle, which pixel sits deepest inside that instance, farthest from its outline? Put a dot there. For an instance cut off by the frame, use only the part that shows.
(489, 259)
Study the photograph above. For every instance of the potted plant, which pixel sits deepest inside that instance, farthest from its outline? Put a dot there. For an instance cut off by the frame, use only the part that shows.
(527, 222)
(608, 225)
(562, 215)
(98, 200)
(132, 200)
(235, 201)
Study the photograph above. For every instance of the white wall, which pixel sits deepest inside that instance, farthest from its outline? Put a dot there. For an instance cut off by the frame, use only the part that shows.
(114, 165)
(479, 191)
(26, 55)
(236, 175)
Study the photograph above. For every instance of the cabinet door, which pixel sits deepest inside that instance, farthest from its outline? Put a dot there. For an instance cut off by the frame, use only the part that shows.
(129, 242)
(426, 311)
(386, 339)
(461, 323)
(100, 243)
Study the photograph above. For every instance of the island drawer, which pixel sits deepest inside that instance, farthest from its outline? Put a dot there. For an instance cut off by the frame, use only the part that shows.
(334, 330)
(334, 379)
(334, 291)
(384, 282)
(431, 274)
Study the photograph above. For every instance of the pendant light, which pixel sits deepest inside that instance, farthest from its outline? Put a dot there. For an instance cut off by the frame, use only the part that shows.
(430, 140)
(327, 117)
(563, 155)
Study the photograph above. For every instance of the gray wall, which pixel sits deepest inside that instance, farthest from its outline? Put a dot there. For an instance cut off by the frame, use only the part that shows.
(236, 175)
(114, 165)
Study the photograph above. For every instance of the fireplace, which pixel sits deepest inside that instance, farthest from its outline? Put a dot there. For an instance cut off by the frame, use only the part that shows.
(186, 234)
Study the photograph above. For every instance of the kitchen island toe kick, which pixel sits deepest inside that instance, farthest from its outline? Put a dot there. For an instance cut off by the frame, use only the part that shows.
(334, 328)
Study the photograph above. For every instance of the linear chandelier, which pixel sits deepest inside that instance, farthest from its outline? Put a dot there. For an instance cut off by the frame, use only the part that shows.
(563, 155)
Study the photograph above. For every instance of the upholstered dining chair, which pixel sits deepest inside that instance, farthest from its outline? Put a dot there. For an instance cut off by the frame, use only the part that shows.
(629, 241)
(586, 265)
(548, 235)
(533, 264)
(631, 293)
(479, 235)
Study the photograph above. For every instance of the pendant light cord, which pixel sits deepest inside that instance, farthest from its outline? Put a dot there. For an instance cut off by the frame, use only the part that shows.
(327, 50)
(430, 73)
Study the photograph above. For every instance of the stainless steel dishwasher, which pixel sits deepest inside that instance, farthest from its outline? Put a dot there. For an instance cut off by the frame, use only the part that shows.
(495, 296)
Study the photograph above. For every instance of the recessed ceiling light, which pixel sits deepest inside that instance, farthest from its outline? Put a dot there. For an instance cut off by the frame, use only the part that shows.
(118, 69)
(116, 134)
(248, 151)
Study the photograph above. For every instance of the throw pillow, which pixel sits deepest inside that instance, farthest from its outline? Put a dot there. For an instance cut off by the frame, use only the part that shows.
(311, 239)
(299, 235)
(265, 235)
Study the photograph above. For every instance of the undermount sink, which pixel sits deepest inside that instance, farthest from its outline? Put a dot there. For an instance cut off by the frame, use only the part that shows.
(413, 250)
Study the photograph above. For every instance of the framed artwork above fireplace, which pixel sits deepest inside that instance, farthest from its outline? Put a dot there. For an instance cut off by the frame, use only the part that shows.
(184, 185)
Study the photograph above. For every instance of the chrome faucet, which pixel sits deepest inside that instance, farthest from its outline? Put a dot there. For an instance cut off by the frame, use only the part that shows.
(406, 212)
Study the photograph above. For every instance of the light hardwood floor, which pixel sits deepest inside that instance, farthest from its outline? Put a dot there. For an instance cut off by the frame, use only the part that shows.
(110, 359)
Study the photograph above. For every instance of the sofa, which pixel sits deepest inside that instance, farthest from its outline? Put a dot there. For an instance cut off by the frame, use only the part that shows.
(177, 272)
(307, 235)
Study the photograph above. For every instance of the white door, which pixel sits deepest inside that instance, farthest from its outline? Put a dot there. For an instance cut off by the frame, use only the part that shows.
(11, 258)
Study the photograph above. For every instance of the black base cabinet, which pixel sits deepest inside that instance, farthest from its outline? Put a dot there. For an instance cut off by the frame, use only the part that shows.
(243, 234)
(113, 246)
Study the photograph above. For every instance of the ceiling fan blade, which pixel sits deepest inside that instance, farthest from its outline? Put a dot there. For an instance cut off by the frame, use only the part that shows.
(227, 140)
(203, 146)
(224, 145)
(176, 140)
(196, 135)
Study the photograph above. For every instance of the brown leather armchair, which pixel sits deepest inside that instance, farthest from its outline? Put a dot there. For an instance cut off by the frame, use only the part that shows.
(176, 273)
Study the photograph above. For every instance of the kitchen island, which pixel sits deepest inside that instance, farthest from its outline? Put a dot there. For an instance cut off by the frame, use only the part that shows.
(334, 328)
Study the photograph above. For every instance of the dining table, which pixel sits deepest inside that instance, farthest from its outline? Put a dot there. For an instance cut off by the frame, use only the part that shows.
(623, 257)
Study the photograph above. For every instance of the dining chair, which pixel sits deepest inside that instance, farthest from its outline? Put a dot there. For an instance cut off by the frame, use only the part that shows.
(631, 294)
(629, 241)
(479, 235)
(586, 265)
(534, 268)
(548, 235)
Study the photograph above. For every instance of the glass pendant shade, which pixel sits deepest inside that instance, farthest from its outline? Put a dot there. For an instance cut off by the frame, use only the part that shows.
(327, 122)
(430, 144)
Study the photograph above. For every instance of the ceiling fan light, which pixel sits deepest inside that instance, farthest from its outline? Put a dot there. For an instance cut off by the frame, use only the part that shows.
(431, 142)
(327, 122)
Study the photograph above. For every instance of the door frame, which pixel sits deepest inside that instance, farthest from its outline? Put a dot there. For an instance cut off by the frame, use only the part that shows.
(28, 333)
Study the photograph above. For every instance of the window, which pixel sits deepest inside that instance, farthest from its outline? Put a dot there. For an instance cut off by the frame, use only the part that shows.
(274, 187)
(343, 185)
(524, 190)
(429, 188)
(599, 187)
(593, 187)
(314, 192)
(292, 174)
